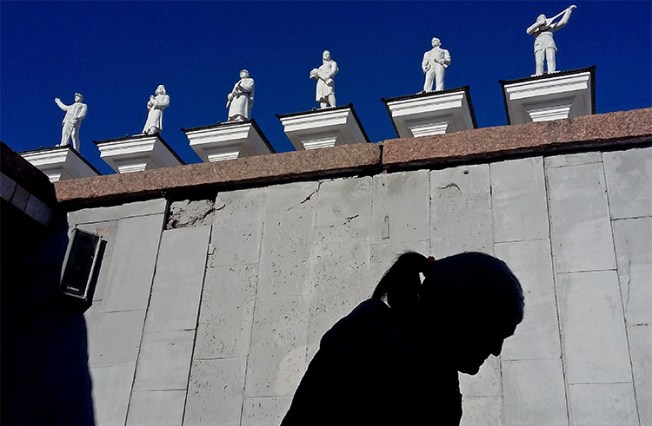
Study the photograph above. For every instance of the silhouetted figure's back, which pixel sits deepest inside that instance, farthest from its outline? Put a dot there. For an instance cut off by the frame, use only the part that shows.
(367, 372)
(395, 363)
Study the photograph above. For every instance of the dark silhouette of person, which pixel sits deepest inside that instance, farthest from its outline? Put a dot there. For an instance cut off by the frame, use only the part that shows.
(394, 360)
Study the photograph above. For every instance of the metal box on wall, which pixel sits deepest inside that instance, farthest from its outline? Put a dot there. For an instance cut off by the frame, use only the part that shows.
(78, 274)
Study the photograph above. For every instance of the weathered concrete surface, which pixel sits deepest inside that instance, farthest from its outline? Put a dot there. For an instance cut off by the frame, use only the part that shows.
(518, 197)
(400, 210)
(190, 213)
(115, 337)
(215, 392)
(132, 263)
(487, 383)
(287, 261)
(538, 335)
(633, 241)
(226, 312)
(115, 320)
(534, 392)
(265, 411)
(574, 159)
(640, 341)
(178, 282)
(460, 210)
(579, 215)
(218, 370)
(111, 390)
(603, 404)
(238, 227)
(156, 408)
(122, 211)
(164, 361)
(484, 411)
(288, 239)
(400, 218)
(277, 355)
(629, 180)
(339, 266)
(594, 338)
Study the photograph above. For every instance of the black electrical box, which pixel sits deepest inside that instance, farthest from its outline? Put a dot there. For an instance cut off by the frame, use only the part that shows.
(80, 266)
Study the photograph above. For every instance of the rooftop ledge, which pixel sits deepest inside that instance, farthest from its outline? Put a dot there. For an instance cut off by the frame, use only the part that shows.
(585, 133)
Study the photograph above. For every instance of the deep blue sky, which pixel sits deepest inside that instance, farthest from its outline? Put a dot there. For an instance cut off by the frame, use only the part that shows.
(116, 53)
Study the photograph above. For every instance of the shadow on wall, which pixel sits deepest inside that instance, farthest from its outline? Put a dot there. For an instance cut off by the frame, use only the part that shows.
(45, 378)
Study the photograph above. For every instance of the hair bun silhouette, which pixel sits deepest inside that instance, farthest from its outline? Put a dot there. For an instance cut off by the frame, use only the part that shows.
(401, 284)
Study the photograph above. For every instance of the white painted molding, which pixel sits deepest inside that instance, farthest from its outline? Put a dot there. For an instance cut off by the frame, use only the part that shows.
(323, 128)
(554, 97)
(60, 163)
(137, 154)
(228, 141)
(434, 114)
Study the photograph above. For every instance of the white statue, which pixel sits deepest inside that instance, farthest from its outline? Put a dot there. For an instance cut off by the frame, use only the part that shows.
(156, 105)
(325, 83)
(544, 44)
(71, 123)
(241, 98)
(434, 64)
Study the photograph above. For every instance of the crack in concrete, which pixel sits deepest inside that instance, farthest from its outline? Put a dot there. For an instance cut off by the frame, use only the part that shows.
(349, 219)
(305, 200)
(312, 193)
(451, 185)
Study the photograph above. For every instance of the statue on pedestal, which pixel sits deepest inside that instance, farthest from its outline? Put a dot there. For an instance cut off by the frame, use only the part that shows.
(544, 43)
(434, 64)
(71, 123)
(156, 104)
(325, 83)
(241, 98)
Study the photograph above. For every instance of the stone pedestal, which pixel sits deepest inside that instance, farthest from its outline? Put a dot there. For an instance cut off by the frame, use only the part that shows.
(323, 128)
(228, 141)
(137, 153)
(433, 113)
(548, 97)
(60, 163)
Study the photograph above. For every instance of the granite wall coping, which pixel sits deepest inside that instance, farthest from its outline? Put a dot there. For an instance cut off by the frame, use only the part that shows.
(242, 172)
(586, 133)
(590, 132)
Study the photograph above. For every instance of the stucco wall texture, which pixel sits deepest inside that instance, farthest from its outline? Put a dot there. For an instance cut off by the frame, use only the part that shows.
(212, 318)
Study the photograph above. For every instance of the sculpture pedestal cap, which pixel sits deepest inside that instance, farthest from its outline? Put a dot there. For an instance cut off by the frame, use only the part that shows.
(548, 97)
(228, 141)
(137, 153)
(432, 113)
(60, 163)
(323, 128)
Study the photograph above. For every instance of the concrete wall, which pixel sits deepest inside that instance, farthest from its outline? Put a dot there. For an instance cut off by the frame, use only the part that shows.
(209, 314)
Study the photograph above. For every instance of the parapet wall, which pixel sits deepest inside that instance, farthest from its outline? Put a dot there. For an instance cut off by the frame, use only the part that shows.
(604, 131)
(207, 311)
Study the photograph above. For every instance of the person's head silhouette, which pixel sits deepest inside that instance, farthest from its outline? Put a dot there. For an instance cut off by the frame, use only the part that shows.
(468, 304)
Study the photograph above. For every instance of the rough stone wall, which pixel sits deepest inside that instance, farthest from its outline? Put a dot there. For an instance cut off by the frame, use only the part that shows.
(209, 316)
